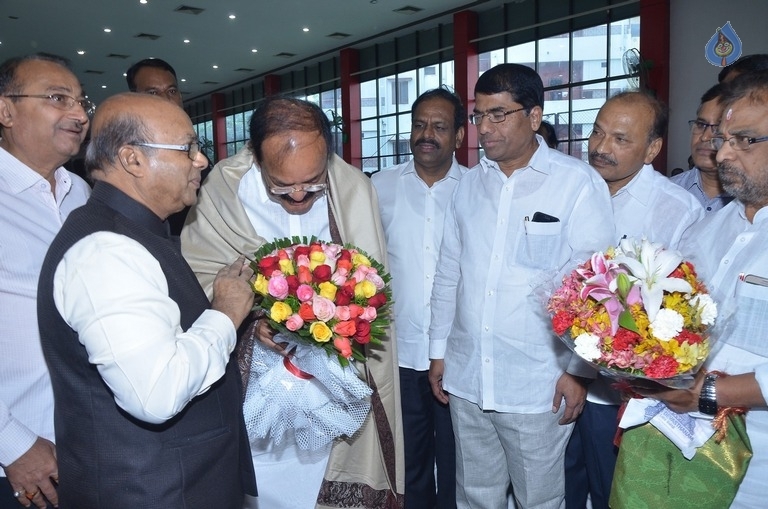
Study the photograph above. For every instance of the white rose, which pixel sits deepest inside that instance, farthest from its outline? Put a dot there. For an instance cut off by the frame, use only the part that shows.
(667, 324)
(586, 346)
(705, 307)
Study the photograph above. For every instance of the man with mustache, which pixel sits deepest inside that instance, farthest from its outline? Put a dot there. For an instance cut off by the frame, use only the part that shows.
(44, 117)
(288, 182)
(626, 137)
(515, 224)
(413, 198)
(702, 180)
(730, 251)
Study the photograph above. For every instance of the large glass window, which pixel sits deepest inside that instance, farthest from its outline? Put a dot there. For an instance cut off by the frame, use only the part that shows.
(579, 71)
(204, 132)
(386, 113)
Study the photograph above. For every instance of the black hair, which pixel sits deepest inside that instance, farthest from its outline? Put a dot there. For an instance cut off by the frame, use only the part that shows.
(520, 81)
(158, 63)
(659, 109)
(746, 63)
(459, 113)
(8, 83)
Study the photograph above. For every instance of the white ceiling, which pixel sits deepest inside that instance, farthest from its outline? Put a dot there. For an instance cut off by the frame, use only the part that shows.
(270, 26)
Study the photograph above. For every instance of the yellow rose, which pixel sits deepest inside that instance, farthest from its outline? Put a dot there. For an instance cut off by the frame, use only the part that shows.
(280, 312)
(286, 267)
(260, 284)
(316, 258)
(321, 332)
(365, 289)
(360, 259)
(327, 290)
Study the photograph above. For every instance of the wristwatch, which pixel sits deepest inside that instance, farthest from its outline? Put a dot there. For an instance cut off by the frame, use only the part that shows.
(708, 395)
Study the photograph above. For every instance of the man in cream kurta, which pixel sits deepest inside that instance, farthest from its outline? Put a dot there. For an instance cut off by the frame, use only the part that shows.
(365, 470)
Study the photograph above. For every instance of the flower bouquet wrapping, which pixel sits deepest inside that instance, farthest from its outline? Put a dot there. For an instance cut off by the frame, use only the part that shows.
(326, 301)
(637, 310)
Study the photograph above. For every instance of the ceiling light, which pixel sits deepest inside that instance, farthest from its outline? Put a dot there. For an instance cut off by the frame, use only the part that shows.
(183, 79)
(80, 52)
(186, 41)
(142, 1)
(103, 86)
(215, 66)
(232, 16)
(305, 29)
(254, 50)
(107, 30)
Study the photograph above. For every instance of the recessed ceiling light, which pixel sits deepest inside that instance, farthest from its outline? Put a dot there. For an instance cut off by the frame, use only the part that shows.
(183, 79)
(103, 86)
(142, 1)
(232, 16)
(215, 66)
(80, 52)
(254, 50)
(186, 41)
(305, 29)
(107, 30)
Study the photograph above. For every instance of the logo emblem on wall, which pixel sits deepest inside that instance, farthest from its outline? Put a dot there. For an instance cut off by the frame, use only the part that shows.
(724, 47)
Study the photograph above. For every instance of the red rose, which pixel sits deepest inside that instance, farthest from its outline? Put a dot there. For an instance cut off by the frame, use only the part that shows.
(304, 274)
(342, 299)
(306, 313)
(300, 250)
(661, 367)
(363, 331)
(689, 337)
(378, 300)
(625, 339)
(315, 247)
(268, 265)
(348, 288)
(562, 321)
(345, 255)
(322, 273)
(346, 328)
(293, 283)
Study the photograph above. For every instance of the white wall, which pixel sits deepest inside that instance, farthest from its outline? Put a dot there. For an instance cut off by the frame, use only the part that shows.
(692, 23)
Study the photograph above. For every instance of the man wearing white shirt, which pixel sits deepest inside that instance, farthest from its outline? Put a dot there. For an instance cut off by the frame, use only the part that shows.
(730, 252)
(147, 403)
(516, 223)
(43, 121)
(413, 198)
(626, 137)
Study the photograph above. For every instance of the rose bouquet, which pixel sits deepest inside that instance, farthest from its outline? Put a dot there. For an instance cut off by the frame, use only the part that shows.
(636, 311)
(326, 301)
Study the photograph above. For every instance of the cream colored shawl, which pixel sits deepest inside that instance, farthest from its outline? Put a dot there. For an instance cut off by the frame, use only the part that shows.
(367, 470)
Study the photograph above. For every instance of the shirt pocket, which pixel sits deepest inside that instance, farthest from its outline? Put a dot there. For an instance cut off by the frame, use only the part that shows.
(539, 246)
(751, 318)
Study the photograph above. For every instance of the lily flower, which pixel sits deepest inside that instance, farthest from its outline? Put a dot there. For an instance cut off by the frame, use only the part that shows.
(649, 266)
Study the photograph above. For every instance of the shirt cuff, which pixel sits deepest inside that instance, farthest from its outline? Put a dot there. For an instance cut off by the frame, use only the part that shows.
(15, 440)
(437, 348)
(761, 375)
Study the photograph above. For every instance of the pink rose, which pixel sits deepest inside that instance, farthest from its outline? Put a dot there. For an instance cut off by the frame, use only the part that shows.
(369, 313)
(355, 310)
(278, 287)
(360, 273)
(340, 276)
(374, 278)
(342, 313)
(344, 346)
(305, 293)
(323, 308)
(302, 260)
(294, 322)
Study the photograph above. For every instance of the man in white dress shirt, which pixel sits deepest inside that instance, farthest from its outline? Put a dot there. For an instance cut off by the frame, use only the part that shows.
(626, 137)
(730, 252)
(43, 121)
(413, 198)
(516, 223)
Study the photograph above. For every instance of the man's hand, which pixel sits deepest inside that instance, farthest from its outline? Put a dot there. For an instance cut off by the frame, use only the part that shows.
(33, 475)
(678, 400)
(436, 370)
(574, 390)
(232, 293)
(265, 334)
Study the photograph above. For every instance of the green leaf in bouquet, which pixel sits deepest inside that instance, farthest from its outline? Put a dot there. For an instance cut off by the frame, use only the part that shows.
(627, 321)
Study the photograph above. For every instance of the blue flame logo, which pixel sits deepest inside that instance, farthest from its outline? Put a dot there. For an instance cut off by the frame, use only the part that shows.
(723, 48)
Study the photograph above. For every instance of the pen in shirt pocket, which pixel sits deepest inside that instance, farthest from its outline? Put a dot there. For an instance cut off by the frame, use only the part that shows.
(753, 279)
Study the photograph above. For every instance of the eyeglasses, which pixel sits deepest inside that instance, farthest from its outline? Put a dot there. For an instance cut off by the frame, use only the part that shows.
(737, 142)
(62, 102)
(192, 149)
(698, 127)
(301, 188)
(494, 116)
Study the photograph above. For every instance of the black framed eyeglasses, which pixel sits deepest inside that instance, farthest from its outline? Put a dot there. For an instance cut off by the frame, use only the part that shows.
(192, 148)
(496, 116)
(61, 101)
(737, 142)
(698, 127)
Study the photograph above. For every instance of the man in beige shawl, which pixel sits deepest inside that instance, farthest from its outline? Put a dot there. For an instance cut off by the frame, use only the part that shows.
(288, 182)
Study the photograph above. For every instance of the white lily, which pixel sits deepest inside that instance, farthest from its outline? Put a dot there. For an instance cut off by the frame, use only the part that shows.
(649, 265)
